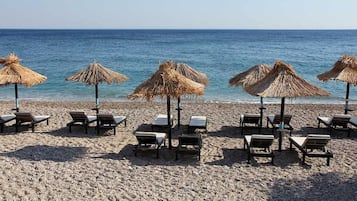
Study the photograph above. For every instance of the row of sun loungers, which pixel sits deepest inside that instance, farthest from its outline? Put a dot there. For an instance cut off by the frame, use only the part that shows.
(313, 145)
(105, 121)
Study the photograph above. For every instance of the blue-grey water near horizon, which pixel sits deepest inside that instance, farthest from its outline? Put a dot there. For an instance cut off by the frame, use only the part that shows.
(220, 54)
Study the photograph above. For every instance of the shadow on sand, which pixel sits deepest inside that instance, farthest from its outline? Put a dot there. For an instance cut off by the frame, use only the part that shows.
(320, 186)
(51, 153)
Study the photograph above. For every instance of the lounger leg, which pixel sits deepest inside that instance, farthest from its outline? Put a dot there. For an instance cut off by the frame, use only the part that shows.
(70, 128)
(125, 122)
(157, 152)
(33, 127)
(2, 128)
(86, 128)
(303, 159)
(249, 156)
(328, 161)
(47, 122)
(176, 155)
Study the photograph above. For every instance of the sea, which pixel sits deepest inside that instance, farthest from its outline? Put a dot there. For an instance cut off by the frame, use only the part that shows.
(220, 54)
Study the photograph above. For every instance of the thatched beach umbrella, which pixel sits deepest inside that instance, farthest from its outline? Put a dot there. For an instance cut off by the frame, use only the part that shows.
(167, 82)
(250, 77)
(282, 81)
(94, 74)
(13, 72)
(345, 69)
(192, 74)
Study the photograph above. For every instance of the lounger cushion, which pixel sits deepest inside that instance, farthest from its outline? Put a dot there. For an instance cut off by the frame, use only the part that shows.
(6, 118)
(250, 138)
(198, 121)
(40, 118)
(160, 137)
(119, 119)
(302, 141)
(353, 121)
(161, 120)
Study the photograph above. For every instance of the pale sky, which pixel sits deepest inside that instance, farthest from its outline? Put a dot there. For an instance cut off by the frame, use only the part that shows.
(179, 14)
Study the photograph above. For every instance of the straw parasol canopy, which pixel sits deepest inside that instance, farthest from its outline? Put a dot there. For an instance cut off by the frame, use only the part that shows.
(250, 77)
(282, 81)
(13, 72)
(192, 74)
(345, 69)
(94, 74)
(167, 82)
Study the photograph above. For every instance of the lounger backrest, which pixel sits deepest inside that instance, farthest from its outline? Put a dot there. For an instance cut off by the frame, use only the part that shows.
(340, 120)
(287, 119)
(24, 116)
(251, 118)
(314, 141)
(146, 137)
(105, 118)
(78, 116)
(261, 141)
(194, 140)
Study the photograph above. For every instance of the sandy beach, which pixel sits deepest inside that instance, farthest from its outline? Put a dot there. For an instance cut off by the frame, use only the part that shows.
(53, 164)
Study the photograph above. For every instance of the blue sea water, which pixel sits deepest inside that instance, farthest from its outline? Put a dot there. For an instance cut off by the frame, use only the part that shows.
(220, 54)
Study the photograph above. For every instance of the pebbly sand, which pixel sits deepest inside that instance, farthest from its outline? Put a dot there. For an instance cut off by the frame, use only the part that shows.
(53, 164)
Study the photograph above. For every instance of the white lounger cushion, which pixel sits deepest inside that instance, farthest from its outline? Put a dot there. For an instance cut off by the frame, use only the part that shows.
(301, 141)
(7, 117)
(200, 121)
(249, 138)
(353, 121)
(39, 118)
(160, 137)
(328, 120)
(161, 120)
(91, 118)
(118, 119)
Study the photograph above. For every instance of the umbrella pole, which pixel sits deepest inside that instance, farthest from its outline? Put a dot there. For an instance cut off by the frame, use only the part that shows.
(281, 126)
(178, 111)
(96, 106)
(16, 98)
(96, 99)
(169, 120)
(262, 108)
(347, 97)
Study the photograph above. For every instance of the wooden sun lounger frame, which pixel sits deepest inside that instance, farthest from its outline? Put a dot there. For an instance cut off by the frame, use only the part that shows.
(80, 119)
(192, 128)
(4, 119)
(148, 139)
(108, 121)
(250, 119)
(27, 117)
(259, 141)
(314, 143)
(189, 143)
(337, 121)
(276, 122)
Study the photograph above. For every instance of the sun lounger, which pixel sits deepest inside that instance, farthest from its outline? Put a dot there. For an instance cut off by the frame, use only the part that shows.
(312, 142)
(108, 121)
(23, 118)
(197, 122)
(249, 120)
(259, 145)
(4, 119)
(189, 143)
(80, 119)
(337, 121)
(353, 121)
(274, 121)
(161, 121)
(149, 141)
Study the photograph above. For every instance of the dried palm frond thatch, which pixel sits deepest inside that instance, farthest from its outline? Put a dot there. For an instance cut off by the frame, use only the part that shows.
(250, 76)
(167, 82)
(13, 72)
(283, 81)
(345, 69)
(95, 73)
(191, 73)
